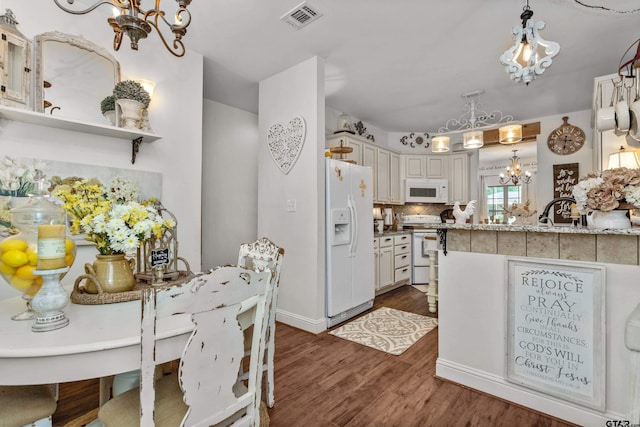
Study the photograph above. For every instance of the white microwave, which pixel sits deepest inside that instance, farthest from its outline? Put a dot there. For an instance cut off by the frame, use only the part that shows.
(426, 191)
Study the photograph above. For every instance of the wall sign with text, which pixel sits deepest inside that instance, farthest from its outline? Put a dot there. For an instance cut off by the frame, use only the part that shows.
(556, 329)
(564, 178)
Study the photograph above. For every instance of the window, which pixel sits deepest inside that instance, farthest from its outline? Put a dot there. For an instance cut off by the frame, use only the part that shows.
(500, 196)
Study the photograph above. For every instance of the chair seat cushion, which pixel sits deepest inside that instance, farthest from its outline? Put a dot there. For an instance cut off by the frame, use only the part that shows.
(124, 409)
(20, 405)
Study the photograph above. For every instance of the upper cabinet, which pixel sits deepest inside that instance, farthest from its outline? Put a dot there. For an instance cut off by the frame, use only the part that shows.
(453, 167)
(385, 165)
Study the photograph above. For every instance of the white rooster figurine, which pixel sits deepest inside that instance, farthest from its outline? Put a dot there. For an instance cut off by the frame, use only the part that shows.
(462, 216)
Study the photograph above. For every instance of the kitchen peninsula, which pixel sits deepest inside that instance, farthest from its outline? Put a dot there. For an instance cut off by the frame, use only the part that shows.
(494, 334)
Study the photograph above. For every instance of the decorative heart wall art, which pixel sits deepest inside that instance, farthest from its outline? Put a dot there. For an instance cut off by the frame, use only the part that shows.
(285, 143)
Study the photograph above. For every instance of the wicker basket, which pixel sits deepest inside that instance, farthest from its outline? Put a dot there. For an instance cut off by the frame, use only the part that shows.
(79, 295)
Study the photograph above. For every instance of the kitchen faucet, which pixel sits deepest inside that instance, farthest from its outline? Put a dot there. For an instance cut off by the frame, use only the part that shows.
(544, 217)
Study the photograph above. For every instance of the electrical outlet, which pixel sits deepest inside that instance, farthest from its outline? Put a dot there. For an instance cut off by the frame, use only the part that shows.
(291, 205)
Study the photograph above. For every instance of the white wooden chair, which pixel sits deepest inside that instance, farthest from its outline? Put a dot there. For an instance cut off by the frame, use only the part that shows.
(260, 255)
(27, 405)
(209, 366)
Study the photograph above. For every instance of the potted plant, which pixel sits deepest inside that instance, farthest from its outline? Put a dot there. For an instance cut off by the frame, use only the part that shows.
(108, 109)
(132, 98)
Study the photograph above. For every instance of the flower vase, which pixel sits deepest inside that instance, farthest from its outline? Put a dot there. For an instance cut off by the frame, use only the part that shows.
(130, 112)
(114, 273)
(110, 116)
(616, 219)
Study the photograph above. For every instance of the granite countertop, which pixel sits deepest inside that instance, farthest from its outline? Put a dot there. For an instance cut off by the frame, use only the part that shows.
(390, 233)
(635, 231)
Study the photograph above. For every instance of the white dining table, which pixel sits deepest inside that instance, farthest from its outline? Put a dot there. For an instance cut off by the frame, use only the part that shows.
(100, 340)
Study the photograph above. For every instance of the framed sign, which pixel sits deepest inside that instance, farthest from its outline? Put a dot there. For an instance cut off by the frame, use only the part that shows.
(564, 178)
(159, 257)
(556, 329)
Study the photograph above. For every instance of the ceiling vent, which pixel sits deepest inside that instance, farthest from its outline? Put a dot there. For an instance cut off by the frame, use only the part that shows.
(301, 15)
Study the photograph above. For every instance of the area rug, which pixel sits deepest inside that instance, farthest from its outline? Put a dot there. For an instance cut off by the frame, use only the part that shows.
(421, 288)
(386, 329)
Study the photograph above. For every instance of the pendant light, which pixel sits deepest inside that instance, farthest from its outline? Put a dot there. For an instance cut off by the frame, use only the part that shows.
(510, 134)
(623, 159)
(473, 139)
(440, 144)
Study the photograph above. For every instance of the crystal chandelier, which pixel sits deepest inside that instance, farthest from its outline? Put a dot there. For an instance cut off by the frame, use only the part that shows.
(531, 54)
(514, 172)
(137, 23)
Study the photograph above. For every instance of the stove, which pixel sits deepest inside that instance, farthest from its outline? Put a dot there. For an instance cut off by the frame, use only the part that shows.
(419, 221)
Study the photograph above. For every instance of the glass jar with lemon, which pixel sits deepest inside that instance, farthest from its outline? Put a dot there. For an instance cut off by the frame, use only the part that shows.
(19, 253)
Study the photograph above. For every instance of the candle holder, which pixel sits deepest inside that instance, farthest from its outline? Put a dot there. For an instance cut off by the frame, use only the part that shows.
(50, 301)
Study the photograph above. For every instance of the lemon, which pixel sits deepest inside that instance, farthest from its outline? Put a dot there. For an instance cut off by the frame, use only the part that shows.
(6, 270)
(21, 283)
(13, 245)
(68, 246)
(68, 260)
(33, 258)
(25, 272)
(15, 258)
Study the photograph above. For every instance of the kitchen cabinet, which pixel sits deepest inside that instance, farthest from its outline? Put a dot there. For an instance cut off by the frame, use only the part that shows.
(383, 175)
(385, 164)
(415, 166)
(458, 177)
(395, 183)
(376, 262)
(385, 263)
(436, 166)
(393, 262)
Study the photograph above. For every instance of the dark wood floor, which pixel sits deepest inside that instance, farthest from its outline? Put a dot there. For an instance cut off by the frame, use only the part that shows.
(322, 380)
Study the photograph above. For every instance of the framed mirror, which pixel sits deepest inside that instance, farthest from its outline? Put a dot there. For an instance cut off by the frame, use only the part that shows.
(72, 76)
(495, 195)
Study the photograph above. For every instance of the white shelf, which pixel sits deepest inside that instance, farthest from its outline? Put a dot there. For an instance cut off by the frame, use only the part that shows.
(41, 119)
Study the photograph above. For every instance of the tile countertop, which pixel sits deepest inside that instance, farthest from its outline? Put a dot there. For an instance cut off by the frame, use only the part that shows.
(635, 231)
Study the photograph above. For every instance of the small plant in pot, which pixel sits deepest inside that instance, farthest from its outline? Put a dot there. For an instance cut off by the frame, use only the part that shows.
(132, 98)
(108, 109)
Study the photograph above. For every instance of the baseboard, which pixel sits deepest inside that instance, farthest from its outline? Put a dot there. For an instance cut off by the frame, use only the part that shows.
(497, 386)
(315, 326)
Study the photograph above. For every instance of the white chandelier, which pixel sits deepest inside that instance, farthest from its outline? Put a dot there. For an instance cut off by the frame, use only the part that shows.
(514, 172)
(531, 54)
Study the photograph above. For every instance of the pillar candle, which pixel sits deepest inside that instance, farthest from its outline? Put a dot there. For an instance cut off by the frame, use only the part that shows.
(51, 246)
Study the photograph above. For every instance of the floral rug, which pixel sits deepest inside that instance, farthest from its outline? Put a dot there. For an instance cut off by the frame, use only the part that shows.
(386, 329)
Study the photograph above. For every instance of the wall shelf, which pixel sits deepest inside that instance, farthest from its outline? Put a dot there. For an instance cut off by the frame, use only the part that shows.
(42, 119)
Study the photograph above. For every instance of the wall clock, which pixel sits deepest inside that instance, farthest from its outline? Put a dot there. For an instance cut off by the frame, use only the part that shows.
(566, 138)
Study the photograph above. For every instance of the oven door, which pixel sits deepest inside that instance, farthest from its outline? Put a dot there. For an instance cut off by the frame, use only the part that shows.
(423, 242)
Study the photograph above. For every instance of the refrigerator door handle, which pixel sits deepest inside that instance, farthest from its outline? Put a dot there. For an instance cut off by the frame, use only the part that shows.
(354, 227)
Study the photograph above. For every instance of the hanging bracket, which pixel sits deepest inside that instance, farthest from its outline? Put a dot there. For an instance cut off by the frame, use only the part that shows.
(135, 147)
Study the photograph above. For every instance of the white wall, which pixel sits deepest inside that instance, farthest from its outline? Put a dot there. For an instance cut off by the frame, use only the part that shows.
(472, 331)
(297, 91)
(175, 114)
(229, 182)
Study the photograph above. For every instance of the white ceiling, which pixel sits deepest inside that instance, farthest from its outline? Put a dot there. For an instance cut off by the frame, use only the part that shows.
(402, 65)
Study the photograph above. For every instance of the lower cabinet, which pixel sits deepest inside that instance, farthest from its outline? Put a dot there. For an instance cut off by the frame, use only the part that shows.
(392, 255)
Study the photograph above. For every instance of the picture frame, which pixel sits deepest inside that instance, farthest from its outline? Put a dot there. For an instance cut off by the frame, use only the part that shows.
(556, 329)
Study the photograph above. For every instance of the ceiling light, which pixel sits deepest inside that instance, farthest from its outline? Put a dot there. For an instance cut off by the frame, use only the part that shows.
(514, 172)
(531, 54)
(440, 144)
(473, 139)
(137, 23)
(623, 159)
(510, 134)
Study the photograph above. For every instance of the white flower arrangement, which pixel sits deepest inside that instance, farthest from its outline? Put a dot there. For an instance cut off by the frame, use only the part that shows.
(16, 179)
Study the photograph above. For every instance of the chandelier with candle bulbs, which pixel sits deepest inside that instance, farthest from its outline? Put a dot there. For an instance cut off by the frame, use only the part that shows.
(514, 174)
(137, 23)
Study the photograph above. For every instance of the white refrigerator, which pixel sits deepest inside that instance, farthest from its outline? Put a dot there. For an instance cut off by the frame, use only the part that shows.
(349, 240)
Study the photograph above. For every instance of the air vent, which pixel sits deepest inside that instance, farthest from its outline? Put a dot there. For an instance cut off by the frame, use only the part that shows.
(301, 15)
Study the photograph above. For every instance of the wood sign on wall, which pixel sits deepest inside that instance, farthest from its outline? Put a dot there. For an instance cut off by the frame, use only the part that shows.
(555, 329)
(564, 178)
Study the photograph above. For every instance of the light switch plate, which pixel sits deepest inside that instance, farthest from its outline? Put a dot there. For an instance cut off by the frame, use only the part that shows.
(291, 205)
